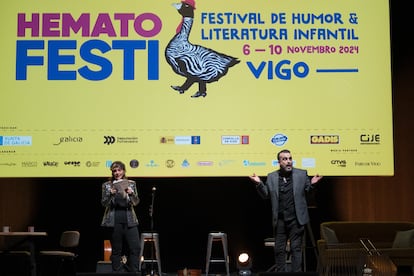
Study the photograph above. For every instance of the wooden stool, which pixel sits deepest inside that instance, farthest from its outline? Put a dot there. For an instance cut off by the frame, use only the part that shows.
(217, 237)
(105, 266)
(150, 239)
(107, 250)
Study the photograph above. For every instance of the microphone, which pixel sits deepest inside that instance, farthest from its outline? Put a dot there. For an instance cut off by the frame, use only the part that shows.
(151, 209)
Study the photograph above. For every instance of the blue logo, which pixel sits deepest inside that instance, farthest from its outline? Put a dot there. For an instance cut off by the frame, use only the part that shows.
(279, 140)
(195, 140)
(15, 140)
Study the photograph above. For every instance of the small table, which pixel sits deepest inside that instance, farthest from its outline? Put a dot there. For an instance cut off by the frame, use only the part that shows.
(28, 237)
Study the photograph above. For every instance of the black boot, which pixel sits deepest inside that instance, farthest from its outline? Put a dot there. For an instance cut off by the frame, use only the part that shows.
(199, 94)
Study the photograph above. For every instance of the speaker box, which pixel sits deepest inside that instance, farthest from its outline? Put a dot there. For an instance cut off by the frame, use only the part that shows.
(104, 267)
(288, 274)
(106, 274)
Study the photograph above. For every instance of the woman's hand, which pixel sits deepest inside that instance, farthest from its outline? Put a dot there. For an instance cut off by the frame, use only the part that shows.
(129, 191)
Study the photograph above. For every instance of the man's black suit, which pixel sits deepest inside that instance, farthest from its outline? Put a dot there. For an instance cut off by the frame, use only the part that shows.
(288, 224)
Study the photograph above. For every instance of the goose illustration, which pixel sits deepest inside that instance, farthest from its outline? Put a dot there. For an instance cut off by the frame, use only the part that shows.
(196, 63)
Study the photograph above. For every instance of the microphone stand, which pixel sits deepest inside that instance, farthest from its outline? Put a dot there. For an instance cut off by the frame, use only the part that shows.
(151, 213)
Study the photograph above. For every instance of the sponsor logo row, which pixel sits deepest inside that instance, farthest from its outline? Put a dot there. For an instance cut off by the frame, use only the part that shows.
(308, 162)
(278, 139)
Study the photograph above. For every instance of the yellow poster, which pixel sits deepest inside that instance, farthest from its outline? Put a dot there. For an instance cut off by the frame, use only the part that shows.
(195, 88)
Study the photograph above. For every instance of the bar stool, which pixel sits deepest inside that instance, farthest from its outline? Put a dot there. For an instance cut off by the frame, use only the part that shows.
(150, 239)
(217, 237)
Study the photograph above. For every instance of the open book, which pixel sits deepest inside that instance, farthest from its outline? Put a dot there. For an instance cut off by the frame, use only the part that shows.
(121, 187)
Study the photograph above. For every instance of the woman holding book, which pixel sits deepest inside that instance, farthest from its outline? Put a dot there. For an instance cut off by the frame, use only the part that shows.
(119, 197)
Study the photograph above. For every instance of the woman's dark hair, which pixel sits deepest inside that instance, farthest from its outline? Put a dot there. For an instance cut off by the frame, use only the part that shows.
(118, 164)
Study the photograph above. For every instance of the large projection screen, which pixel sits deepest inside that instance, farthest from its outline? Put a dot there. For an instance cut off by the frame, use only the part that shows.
(201, 88)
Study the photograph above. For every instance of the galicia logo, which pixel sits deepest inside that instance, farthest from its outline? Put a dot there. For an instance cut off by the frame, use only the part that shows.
(109, 140)
(279, 140)
(69, 139)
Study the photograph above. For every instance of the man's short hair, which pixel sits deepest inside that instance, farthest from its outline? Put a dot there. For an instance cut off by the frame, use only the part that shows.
(282, 151)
